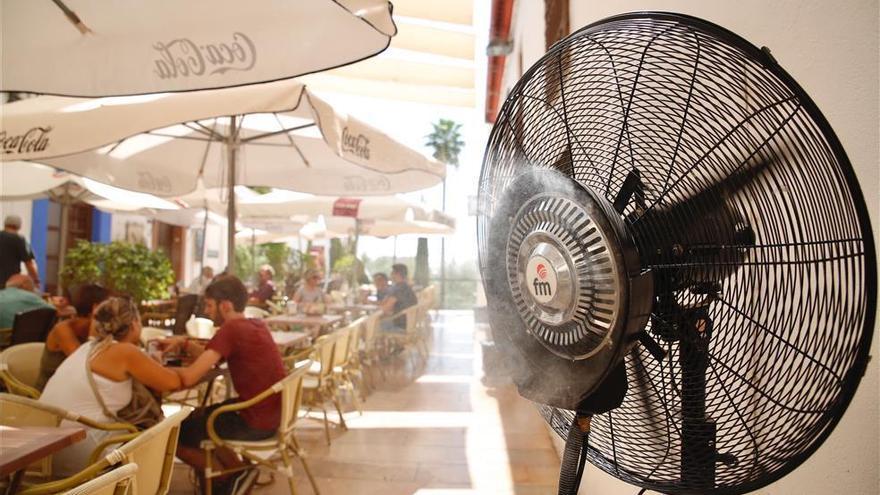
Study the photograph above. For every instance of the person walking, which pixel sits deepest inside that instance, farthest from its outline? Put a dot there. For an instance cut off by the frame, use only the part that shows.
(14, 251)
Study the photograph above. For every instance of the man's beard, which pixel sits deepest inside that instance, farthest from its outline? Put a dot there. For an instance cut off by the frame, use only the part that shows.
(218, 319)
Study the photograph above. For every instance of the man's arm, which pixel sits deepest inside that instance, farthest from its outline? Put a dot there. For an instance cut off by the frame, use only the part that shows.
(31, 267)
(191, 374)
(387, 305)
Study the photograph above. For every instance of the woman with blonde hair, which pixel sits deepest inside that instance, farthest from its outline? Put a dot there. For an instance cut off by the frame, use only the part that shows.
(97, 378)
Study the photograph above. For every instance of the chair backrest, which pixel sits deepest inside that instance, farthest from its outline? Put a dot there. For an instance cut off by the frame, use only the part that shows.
(119, 481)
(354, 340)
(153, 451)
(323, 354)
(255, 312)
(291, 397)
(412, 319)
(186, 306)
(22, 361)
(32, 326)
(16, 410)
(371, 325)
(340, 351)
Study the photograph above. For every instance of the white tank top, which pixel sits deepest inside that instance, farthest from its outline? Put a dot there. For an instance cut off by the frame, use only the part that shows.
(69, 389)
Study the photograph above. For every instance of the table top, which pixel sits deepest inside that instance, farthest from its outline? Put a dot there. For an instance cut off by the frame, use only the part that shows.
(341, 308)
(300, 319)
(290, 339)
(22, 445)
(282, 339)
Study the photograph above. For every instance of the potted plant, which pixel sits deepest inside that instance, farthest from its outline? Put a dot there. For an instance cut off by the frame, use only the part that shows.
(121, 267)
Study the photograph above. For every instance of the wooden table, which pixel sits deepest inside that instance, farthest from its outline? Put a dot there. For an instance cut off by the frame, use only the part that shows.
(285, 340)
(304, 320)
(353, 308)
(23, 445)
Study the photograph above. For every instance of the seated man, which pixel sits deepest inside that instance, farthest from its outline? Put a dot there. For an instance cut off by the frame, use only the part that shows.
(18, 296)
(266, 290)
(255, 365)
(198, 285)
(400, 296)
(380, 280)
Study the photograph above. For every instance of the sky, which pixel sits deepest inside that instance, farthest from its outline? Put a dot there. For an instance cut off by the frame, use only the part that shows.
(409, 123)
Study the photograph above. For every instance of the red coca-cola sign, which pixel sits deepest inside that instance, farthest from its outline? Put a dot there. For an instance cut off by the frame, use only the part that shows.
(346, 207)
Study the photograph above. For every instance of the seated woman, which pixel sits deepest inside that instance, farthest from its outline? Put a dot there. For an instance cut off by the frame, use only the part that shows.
(311, 299)
(114, 359)
(310, 292)
(66, 336)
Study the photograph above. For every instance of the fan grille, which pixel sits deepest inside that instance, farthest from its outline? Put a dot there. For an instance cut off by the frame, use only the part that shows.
(695, 109)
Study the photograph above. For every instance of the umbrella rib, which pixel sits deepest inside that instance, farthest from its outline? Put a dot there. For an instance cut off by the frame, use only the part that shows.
(191, 138)
(289, 137)
(205, 156)
(285, 131)
(210, 131)
(72, 17)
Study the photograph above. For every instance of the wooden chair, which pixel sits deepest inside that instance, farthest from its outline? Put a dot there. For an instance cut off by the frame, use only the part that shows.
(20, 368)
(318, 385)
(342, 360)
(281, 448)
(350, 373)
(407, 340)
(370, 347)
(152, 450)
(16, 410)
(255, 312)
(119, 481)
(32, 326)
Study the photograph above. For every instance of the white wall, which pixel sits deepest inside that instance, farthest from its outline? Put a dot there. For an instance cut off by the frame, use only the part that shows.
(22, 209)
(831, 49)
(121, 223)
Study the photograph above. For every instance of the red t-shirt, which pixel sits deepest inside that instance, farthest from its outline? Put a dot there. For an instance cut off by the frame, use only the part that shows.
(255, 365)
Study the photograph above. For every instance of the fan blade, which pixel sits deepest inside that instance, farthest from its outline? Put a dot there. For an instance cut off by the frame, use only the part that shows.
(692, 231)
(712, 198)
(651, 345)
(632, 185)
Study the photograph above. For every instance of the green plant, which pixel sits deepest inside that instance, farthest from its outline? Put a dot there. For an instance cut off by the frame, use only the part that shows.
(120, 267)
(445, 138)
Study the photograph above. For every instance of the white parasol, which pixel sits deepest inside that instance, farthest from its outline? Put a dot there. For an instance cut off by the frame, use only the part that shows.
(117, 47)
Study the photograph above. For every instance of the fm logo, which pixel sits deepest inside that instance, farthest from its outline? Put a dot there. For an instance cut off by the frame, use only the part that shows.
(541, 288)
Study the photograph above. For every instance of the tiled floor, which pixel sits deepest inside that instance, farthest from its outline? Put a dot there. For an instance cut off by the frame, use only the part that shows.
(430, 431)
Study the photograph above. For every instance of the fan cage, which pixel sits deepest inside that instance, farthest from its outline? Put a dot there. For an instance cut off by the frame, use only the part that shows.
(696, 109)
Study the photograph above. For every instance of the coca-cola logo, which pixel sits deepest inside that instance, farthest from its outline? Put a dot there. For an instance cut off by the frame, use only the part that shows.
(346, 207)
(149, 182)
(183, 57)
(33, 140)
(356, 183)
(356, 144)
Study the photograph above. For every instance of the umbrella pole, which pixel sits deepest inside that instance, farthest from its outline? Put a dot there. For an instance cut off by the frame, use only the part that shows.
(231, 151)
(355, 273)
(204, 240)
(62, 242)
(394, 257)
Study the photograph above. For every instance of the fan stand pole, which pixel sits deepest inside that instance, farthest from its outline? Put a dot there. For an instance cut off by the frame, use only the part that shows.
(698, 454)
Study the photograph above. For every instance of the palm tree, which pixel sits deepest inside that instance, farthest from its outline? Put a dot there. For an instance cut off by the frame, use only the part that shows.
(446, 141)
(447, 144)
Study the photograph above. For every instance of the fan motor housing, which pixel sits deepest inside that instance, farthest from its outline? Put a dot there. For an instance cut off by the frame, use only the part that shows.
(572, 292)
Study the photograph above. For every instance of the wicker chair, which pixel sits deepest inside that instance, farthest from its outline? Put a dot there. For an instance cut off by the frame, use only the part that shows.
(281, 447)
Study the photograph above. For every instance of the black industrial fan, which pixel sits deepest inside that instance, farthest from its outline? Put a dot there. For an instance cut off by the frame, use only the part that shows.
(677, 256)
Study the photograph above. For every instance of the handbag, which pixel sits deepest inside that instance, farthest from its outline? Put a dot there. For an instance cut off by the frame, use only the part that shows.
(143, 411)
